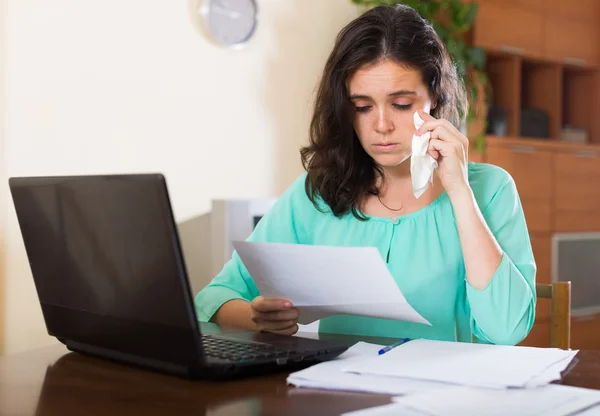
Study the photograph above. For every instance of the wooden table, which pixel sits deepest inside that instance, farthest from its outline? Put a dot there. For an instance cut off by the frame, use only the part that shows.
(54, 381)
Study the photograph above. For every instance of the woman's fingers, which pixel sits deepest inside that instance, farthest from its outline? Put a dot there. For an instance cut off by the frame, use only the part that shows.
(287, 331)
(444, 130)
(278, 325)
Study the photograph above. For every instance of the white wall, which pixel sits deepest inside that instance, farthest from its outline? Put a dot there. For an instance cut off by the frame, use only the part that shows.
(129, 86)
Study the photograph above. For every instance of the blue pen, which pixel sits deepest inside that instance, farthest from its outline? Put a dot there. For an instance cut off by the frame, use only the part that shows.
(394, 345)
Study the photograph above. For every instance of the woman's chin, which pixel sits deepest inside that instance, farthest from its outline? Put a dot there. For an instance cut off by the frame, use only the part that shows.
(391, 161)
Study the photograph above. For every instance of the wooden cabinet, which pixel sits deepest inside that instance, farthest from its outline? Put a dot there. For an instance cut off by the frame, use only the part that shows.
(585, 333)
(540, 243)
(527, 4)
(523, 35)
(581, 101)
(560, 31)
(530, 4)
(531, 168)
(576, 10)
(571, 42)
(576, 197)
(545, 55)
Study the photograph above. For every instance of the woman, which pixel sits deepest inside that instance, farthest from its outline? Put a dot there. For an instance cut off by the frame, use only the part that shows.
(460, 252)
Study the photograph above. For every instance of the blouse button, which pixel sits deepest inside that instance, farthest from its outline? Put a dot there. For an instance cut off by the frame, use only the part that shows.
(395, 221)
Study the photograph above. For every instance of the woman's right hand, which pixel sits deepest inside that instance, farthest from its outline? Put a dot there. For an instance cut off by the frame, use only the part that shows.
(274, 315)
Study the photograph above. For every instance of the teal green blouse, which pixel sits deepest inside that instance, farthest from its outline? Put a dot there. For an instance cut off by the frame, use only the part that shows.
(423, 255)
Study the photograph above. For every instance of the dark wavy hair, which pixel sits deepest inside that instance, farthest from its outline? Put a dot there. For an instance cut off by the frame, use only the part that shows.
(340, 172)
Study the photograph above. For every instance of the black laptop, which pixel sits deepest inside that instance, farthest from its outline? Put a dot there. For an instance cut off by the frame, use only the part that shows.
(110, 276)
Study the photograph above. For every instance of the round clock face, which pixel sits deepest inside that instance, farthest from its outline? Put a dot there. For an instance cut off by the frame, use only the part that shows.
(230, 22)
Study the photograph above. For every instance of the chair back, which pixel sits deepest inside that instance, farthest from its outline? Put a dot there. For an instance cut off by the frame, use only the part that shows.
(559, 294)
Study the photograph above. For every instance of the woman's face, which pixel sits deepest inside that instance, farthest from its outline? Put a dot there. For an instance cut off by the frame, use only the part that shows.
(385, 96)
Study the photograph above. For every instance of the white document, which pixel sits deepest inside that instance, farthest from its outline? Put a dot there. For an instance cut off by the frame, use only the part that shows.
(480, 365)
(329, 376)
(551, 400)
(591, 411)
(553, 373)
(393, 409)
(322, 281)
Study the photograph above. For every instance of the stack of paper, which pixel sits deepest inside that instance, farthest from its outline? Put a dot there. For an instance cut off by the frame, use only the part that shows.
(450, 378)
(329, 375)
(478, 365)
(552, 400)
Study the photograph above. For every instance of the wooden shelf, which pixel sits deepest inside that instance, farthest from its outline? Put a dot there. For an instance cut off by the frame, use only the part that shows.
(547, 144)
(547, 30)
(547, 57)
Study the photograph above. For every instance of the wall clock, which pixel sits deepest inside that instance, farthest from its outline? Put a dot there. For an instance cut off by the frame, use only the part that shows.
(229, 23)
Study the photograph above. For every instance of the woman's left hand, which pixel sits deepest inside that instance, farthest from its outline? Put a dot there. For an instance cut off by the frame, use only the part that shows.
(450, 148)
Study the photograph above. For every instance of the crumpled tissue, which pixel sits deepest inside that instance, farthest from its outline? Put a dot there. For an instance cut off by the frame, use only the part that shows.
(422, 164)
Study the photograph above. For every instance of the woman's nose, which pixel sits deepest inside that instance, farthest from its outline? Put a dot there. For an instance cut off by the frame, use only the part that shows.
(384, 123)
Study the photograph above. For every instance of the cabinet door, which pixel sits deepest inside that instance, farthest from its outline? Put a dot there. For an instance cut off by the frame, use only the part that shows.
(531, 168)
(571, 42)
(582, 10)
(576, 193)
(510, 28)
(529, 4)
(537, 5)
(585, 333)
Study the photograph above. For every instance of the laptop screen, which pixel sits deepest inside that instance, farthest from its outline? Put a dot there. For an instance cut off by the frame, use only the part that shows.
(104, 246)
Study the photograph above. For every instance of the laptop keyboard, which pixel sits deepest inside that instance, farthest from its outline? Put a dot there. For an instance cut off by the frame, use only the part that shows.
(228, 349)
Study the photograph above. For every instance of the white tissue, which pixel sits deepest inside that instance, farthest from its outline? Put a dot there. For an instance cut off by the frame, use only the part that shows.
(422, 164)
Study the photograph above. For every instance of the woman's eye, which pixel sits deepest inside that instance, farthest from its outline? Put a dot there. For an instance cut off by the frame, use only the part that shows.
(403, 107)
(363, 109)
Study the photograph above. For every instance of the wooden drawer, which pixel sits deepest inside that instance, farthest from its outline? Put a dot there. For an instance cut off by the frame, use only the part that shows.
(577, 194)
(538, 213)
(585, 333)
(580, 47)
(572, 221)
(525, 35)
(576, 197)
(581, 10)
(581, 162)
(531, 169)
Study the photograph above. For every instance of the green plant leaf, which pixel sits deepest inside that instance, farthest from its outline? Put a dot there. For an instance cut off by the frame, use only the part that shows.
(471, 13)
(477, 57)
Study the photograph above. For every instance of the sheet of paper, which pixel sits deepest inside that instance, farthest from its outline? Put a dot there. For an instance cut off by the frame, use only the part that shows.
(590, 411)
(481, 365)
(393, 409)
(551, 400)
(553, 373)
(329, 376)
(323, 281)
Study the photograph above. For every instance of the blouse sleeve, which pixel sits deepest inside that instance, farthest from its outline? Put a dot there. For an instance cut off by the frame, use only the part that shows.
(282, 225)
(504, 311)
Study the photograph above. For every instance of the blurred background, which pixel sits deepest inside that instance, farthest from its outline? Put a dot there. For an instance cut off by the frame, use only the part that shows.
(219, 100)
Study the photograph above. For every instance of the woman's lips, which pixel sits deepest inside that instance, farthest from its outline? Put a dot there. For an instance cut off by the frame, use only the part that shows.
(387, 147)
